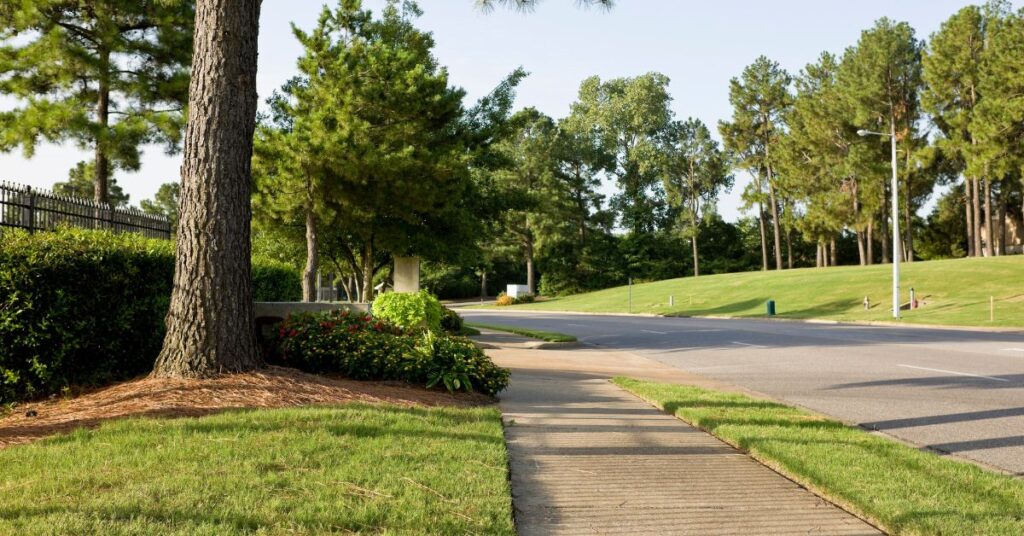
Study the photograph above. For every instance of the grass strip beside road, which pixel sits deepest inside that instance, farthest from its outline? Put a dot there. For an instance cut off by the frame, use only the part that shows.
(955, 292)
(899, 488)
(549, 336)
(373, 469)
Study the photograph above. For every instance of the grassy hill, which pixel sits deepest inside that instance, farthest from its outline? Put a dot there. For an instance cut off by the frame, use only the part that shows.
(955, 292)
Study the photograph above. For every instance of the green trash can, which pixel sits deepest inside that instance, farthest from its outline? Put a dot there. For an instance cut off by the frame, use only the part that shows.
(771, 307)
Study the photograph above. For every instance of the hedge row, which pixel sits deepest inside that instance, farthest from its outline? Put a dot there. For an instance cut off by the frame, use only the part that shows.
(82, 307)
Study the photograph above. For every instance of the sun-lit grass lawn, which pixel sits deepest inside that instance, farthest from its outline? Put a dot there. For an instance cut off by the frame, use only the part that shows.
(357, 468)
(549, 336)
(957, 292)
(900, 488)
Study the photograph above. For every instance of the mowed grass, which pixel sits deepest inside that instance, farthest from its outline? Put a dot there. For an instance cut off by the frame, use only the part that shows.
(549, 336)
(349, 469)
(957, 292)
(899, 488)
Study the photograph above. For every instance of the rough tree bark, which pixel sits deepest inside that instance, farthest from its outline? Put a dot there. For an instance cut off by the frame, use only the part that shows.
(210, 326)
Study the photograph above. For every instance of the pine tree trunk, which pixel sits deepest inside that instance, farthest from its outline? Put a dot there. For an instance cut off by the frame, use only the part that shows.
(309, 287)
(483, 284)
(1001, 217)
(367, 294)
(989, 235)
(100, 190)
(696, 259)
(210, 326)
(789, 249)
(908, 216)
(969, 215)
(861, 252)
(776, 229)
(764, 243)
(871, 243)
(884, 239)
(818, 256)
(834, 261)
(976, 217)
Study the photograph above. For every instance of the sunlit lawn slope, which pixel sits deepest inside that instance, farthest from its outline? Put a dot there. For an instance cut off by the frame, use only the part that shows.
(956, 292)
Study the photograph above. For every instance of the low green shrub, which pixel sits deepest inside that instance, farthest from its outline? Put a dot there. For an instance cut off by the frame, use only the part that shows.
(364, 348)
(82, 307)
(457, 363)
(451, 322)
(420, 310)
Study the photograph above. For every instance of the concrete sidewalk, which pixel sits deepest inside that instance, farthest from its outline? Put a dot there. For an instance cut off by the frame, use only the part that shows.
(590, 458)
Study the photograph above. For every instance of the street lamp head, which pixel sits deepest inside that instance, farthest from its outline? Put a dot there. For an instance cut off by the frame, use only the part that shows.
(862, 132)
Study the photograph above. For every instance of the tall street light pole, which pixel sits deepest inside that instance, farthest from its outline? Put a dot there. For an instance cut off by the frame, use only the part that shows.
(896, 248)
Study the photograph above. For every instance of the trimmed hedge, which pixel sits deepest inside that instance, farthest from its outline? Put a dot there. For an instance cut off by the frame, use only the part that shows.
(365, 348)
(81, 307)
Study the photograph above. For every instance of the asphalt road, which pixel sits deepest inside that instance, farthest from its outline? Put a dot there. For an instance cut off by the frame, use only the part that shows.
(959, 392)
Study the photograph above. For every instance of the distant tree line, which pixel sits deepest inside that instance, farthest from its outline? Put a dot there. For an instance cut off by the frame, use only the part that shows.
(370, 152)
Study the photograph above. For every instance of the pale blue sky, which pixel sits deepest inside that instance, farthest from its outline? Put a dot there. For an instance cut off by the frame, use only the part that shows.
(699, 45)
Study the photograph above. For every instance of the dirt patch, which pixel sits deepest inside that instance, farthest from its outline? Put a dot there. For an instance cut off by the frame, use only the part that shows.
(271, 387)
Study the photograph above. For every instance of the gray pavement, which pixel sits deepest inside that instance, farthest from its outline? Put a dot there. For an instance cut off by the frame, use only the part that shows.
(589, 458)
(955, 391)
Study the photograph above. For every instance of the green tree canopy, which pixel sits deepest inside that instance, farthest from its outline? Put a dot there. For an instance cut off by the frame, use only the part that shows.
(110, 76)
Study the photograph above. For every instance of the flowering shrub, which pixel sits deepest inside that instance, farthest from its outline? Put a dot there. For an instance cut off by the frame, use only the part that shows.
(364, 348)
(409, 311)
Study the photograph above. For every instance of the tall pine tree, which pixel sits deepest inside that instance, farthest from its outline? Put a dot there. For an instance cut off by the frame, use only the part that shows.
(109, 75)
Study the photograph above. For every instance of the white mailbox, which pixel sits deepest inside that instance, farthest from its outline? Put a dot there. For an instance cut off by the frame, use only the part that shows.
(517, 291)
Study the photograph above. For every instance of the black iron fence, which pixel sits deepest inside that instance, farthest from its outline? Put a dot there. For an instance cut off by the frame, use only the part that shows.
(40, 210)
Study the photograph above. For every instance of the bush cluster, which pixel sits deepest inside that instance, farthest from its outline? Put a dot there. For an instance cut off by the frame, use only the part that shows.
(81, 307)
(505, 299)
(365, 348)
(409, 311)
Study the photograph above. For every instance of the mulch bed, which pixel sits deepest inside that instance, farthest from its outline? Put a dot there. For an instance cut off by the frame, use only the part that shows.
(271, 387)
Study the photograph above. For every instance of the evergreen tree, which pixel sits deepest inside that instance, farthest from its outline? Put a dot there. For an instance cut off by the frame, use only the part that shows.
(81, 183)
(109, 75)
(998, 124)
(164, 203)
(760, 98)
(954, 63)
(881, 76)
(528, 184)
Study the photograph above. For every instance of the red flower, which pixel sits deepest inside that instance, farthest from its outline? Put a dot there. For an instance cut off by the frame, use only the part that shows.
(293, 333)
(353, 328)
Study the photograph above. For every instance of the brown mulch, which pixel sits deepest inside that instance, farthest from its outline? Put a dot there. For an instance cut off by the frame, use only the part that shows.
(271, 387)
